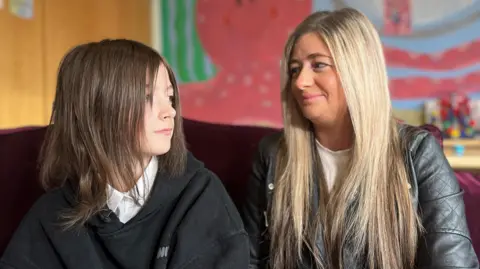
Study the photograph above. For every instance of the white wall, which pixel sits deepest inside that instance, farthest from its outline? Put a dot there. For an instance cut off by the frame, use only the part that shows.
(156, 25)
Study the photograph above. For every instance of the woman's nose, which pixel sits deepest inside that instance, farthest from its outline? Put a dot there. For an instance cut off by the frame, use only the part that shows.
(304, 79)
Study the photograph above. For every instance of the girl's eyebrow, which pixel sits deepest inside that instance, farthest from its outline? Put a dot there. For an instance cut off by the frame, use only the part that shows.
(149, 89)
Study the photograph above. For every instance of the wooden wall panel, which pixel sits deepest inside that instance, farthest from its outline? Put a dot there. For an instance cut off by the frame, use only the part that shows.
(69, 23)
(31, 50)
(22, 96)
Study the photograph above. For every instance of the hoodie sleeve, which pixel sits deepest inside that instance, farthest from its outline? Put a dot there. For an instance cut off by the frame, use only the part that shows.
(29, 247)
(212, 228)
(228, 252)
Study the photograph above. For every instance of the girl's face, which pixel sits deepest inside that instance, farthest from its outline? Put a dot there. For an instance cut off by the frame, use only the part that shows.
(159, 115)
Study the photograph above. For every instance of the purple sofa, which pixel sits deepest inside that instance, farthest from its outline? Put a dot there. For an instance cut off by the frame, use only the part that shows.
(226, 150)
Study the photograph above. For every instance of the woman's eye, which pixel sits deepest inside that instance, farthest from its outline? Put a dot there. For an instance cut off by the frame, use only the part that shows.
(319, 65)
(172, 99)
(294, 71)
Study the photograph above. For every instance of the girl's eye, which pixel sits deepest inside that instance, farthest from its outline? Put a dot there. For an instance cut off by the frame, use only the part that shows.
(172, 99)
(148, 97)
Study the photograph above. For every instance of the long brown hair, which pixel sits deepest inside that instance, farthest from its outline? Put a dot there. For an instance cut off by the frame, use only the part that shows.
(369, 214)
(97, 123)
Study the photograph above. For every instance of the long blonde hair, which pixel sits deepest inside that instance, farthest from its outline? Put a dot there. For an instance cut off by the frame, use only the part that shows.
(370, 211)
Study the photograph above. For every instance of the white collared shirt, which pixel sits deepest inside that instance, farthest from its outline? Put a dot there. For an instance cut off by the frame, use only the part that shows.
(123, 203)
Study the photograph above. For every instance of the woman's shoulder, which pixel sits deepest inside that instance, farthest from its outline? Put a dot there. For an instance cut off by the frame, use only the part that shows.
(428, 158)
(417, 137)
(269, 144)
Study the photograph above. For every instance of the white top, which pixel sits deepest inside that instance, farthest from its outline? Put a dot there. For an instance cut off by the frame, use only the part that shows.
(123, 203)
(334, 163)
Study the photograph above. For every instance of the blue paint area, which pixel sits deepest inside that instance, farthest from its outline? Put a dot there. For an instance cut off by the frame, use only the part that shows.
(417, 104)
(463, 35)
(405, 72)
(362, 5)
(322, 5)
(473, 9)
(372, 11)
(208, 66)
(376, 17)
(466, 34)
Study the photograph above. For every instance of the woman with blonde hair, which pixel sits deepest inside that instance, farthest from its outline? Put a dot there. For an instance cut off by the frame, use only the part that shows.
(344, 185)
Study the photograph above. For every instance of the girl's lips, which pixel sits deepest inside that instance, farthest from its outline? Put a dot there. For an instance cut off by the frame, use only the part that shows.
(166, 131)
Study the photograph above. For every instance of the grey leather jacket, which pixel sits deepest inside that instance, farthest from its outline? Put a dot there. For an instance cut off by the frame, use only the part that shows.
(435, 191)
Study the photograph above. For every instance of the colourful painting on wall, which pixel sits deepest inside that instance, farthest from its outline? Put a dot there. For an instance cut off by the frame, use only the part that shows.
(226, 53)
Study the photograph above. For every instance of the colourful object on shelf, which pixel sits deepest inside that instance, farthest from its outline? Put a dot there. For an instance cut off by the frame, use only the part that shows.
(455, 116)
(455, 112)
(447, 125)
(469, 131)
(459, 150)
(455, 133)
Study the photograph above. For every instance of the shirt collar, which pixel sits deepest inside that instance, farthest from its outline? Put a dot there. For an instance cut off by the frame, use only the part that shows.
(144, 185)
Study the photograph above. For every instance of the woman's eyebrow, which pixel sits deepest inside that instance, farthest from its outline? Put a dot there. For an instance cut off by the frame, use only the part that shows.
(310, 57)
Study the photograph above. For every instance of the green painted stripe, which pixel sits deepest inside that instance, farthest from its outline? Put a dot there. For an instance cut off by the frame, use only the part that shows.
(181, 46)
(166, 49)
(201, 69)
(199, 56)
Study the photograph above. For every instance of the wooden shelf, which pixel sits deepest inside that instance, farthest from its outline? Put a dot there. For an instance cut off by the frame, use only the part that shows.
(469, 163)
(463, 142)
(470, 160)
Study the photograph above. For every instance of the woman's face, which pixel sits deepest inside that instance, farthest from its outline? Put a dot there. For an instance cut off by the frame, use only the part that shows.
(315, 83)
(159, 115)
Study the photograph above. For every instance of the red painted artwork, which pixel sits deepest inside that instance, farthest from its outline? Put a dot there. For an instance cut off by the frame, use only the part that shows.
(397, 17)
(245, 40)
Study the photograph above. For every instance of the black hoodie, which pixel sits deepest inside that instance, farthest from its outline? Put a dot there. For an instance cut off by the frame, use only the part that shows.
(188, 222)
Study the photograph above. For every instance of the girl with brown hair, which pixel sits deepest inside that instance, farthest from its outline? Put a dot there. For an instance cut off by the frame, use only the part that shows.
(123, 191)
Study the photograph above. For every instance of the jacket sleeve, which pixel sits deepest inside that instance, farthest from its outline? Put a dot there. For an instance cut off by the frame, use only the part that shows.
(255, 208)
(445, 242)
